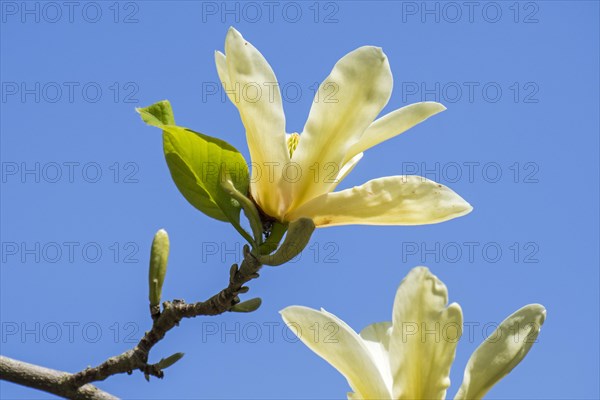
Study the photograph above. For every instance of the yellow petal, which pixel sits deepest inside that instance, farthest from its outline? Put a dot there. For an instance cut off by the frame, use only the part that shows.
(347, 102)
(334, 178)
(338, 344)
(377, 339)
(393, 200)
(221, 63)
(424, 337)
(501, 351)
(348, 167)
(258, 99)
(395, 123)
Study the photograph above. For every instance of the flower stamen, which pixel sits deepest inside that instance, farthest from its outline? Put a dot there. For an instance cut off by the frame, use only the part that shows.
(292, 142)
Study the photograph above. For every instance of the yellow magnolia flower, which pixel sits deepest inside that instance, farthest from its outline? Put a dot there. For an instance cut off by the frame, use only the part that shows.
(410, 357)
(294, 175)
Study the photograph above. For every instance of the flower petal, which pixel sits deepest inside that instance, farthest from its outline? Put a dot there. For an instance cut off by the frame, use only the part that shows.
(255, 93)
(377, 339)
(424, 337)
(336, 177)
(339, 345)
(395, 123)
(393, 200)
(221, 63)
(501, 351)
(347, 102)
(347, 168)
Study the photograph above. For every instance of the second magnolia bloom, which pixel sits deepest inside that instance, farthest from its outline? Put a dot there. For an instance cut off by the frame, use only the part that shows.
(331, 144)
(410, 357)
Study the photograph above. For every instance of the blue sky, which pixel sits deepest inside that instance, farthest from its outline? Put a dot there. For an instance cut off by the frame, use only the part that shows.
(85, 186)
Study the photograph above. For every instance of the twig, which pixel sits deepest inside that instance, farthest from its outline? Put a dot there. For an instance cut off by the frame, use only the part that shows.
(48, 380)
(69, 385)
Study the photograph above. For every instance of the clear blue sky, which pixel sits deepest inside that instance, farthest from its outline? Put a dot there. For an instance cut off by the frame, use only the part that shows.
(519, 141)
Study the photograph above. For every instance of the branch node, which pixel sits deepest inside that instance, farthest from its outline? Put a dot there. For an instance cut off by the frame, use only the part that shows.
(152, 370)
(154, 312)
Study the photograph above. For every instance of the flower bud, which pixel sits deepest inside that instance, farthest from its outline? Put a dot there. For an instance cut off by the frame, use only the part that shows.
(159, 256)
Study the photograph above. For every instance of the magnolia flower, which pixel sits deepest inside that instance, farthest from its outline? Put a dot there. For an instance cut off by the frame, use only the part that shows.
(294, 175)
(410, 357)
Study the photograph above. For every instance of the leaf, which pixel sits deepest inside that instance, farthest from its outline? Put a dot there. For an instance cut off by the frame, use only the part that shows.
(158, 114)
(172, 359)
(278, 229)
(296, 239)
(196, 162)
(247, 306)
(248, 207)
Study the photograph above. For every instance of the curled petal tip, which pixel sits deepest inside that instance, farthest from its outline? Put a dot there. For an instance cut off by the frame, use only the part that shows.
(379, 52)
(539, 309)
(233, 33)
(373, 53)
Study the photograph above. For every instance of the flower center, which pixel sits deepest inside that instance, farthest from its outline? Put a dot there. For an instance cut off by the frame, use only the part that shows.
(292, 142)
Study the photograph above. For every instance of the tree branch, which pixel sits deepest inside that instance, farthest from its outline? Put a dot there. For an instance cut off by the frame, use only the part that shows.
(48, 380)
(137, 358)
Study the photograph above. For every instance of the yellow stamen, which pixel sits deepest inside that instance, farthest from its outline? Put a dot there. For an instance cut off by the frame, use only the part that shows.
(292, 142)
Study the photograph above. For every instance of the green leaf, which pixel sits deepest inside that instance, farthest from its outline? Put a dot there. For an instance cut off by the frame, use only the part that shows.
(248, 206)
(158, 114)
(247, 306)
(196, 162)
(278, 229)
(296, 239)
(167, 362)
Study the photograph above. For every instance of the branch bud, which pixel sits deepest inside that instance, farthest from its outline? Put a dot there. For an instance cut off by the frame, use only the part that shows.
(159, 256)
